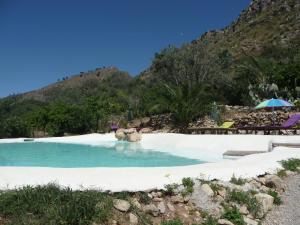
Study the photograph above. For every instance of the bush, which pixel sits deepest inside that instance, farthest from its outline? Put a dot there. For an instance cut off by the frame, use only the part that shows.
(291, 164)
(275, 195)
(170, 189)
(281, 173)
(53, 205)
(188, 183)
(210, 221)
(233, 215)
(245, 198)
(237, 181)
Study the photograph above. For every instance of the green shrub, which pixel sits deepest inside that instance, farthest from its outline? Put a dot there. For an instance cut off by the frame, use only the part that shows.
(237, 181)
(210, 221)
(275, 195)
(244, 198)
(281, 173)
(215, 188)
(291, 164)
(53, 205)
(188, 184)
(144, 198)
(170, 189)
(233, 215)
(172, 222)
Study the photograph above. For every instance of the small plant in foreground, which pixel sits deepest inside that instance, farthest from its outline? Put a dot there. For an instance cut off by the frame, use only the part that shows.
(215, 188)
(188, 184)
(244, 198)
(144, 198)
(238, 181)
(291, 164)
(281, 173)
(275, 195)
(172, 222)
(233, 215)
(210, 221)
(170, 189)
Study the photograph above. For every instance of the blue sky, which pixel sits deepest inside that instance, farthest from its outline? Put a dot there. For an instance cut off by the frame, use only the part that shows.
(44, 40)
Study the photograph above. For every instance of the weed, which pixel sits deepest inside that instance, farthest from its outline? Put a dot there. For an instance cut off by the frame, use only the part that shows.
(210, 221)
(281, 173)
(170, 189)
(215, 188)
(188, 184)
(52, 205)
(144, 198)
(291, 164)
(275, 195)
(245, 198)
(237, 181)
(233, 215)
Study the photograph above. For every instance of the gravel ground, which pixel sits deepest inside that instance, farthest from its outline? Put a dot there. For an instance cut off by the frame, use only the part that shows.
(289, 212)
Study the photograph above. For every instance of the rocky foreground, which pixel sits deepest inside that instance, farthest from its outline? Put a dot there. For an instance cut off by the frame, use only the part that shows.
(238, 202)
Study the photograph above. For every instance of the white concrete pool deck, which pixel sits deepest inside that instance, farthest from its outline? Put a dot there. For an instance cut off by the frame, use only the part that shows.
(203, 147)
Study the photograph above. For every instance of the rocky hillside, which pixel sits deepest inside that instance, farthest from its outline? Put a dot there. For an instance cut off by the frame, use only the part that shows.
(268, 28)
(82, 84)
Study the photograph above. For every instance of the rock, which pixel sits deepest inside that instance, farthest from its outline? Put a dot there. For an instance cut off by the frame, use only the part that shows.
(177, 199)
(222, 192)
(243, 209)
(121, 205)
(136, 203)
(224, 222)
(133, 219)
(134, 137)
(249, 221)
(146, 130)
(114, 222)
(290, 173)
(157, 199)
(145, 121)
(134, 123)
(161, 207)
(207, 189)
(151, 209)
(171, 207)
(120, 135)
(273, 181)
(266, 202)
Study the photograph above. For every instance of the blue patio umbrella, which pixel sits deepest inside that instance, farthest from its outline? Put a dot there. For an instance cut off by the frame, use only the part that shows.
(273, 103)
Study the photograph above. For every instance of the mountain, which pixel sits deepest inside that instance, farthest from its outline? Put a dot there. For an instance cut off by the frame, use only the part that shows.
(74, 87)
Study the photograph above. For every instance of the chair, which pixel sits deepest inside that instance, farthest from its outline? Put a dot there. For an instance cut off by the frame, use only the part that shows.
(226, 125)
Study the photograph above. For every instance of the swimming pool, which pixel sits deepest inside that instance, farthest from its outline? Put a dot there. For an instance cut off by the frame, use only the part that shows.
(59, 155)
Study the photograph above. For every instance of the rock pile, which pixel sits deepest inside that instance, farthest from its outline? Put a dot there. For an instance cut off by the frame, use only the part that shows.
(130, 135)
(252, 200)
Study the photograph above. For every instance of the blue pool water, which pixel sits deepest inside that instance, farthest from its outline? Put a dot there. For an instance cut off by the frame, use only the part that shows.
(76, 156)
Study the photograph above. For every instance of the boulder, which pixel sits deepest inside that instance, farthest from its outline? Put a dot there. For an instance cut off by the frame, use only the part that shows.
(266, 202)
(151, 209)
(133, 219)
(224, 222)
(161, 207)
(170, 207)
(207, 189)
(120, 134)
(121, 205)
(249, 221)
(134, 137)
(273, 181)
(136, 203)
